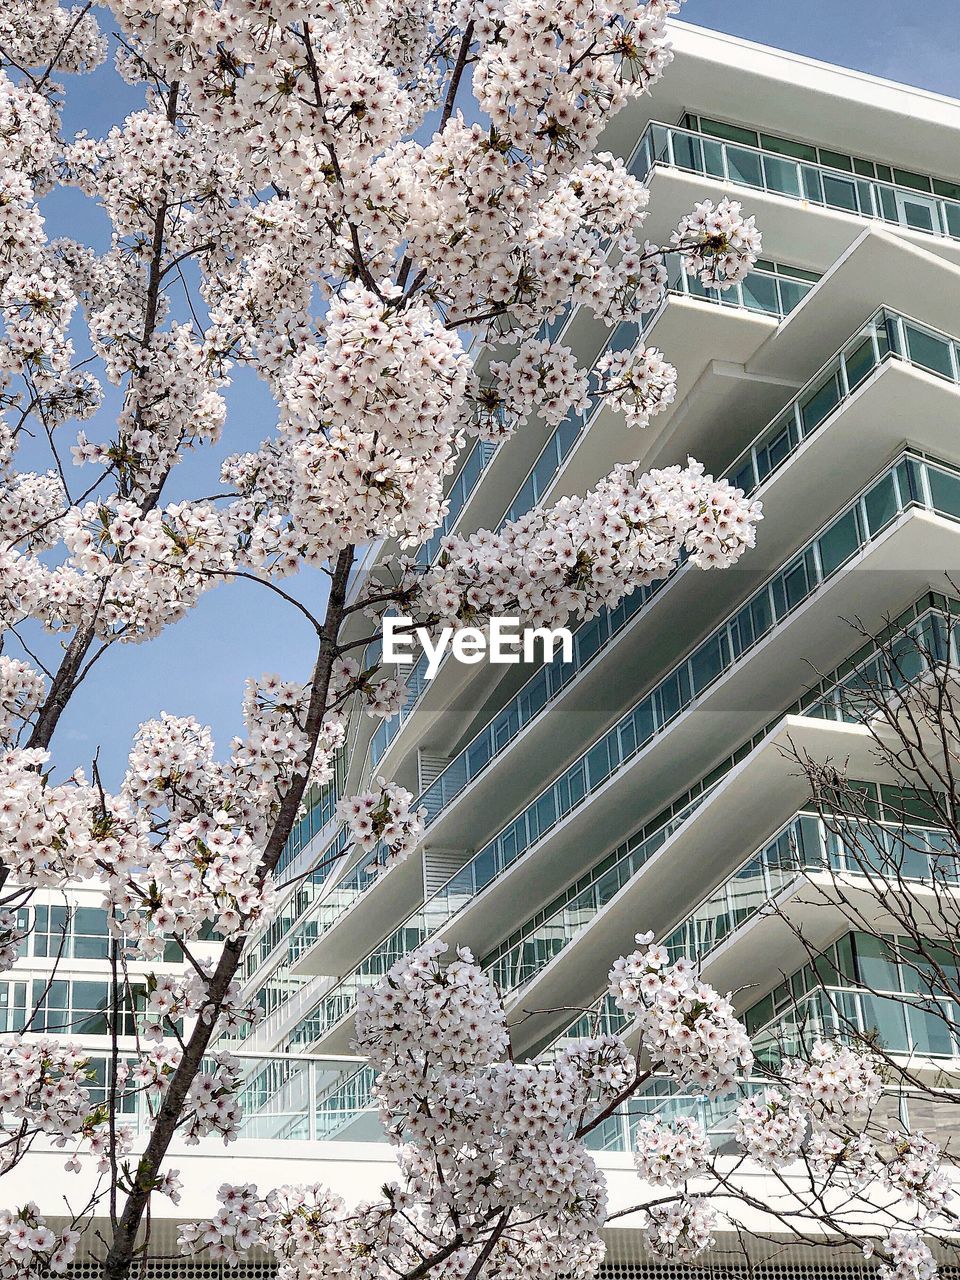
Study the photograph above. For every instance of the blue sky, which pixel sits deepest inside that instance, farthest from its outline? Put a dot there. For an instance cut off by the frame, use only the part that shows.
(916, 43)
(199, 666)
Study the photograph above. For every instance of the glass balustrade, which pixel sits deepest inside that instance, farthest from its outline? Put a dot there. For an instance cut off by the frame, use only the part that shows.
(914, 852)
(903, 1024)
(805, 844)
(886, 335)
(912, 481)
(818, 184)
(281, 1097)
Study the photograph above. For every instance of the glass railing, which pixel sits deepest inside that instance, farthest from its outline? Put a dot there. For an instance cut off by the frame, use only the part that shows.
(295, 1098)
(897, 657)
(817, 184)
(915, 853)
(804, 845)
(439, 909)
(911, 482)
(771, 291)
(886, 334)
(903, 1023)
(476, 462)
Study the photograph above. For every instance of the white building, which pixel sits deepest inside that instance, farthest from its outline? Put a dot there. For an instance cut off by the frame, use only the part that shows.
(642, 785)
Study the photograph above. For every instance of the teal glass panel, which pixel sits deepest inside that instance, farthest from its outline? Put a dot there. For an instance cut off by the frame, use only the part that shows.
(929, 351)
(945, 491)
(819, 402)
(782, 176)
(744, 166)
(839, 193)
(839, 542)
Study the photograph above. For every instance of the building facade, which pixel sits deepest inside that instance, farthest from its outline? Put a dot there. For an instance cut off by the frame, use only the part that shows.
(643, 784)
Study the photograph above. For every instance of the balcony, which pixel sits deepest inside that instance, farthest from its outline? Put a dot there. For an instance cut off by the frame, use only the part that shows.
(910, 486)
(842, 195)
(772, 291)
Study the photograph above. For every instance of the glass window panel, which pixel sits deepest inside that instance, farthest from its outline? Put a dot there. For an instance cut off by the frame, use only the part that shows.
(860, 362)
(929, 351)
(839, 542)
(953, 219)
(686, 152)
(868, 203)
(817, 403)
(708, 662)
(795, 584)
(916, 181)
(876, 964)
(670, 697)
(884, 173)
(713, 159)
(729, 132)
(881, 504)
(782, 176)
(919, 213)
(865, 168)
(785, 147)
(945, 491)
(950, 190)
(792, 293)
(760, 294)
(928, 1032)
(888, 203)
(812, 186)
(598, 762)
(839, 193)
(744, 166)
(887, 1018)
(836, 160)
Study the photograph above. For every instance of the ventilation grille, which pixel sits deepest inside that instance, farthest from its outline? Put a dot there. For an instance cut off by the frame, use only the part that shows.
(767, 1271)
(438, 866)
(429, 768)
(180, 1269)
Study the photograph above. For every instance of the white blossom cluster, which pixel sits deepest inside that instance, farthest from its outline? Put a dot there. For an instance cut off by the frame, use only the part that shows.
(836, 1078)
(667, 1155)
(685, 1025)
(29, 1249)
(908, 1258)
(717, 243)
(383, 817)
(44, 1091)
(543, 377)
(21, 691)
(771, 1127)
(681, 1230)
(915, 1170)
(638, 383)
(583, 554)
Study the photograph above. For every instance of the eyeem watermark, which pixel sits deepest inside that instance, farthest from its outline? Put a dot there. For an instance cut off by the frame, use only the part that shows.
(505, 642)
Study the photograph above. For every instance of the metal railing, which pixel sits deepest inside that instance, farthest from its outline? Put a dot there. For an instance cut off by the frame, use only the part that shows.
(764, 170)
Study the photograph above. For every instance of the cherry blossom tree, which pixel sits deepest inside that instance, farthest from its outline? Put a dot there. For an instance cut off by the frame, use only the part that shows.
(379, 212)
